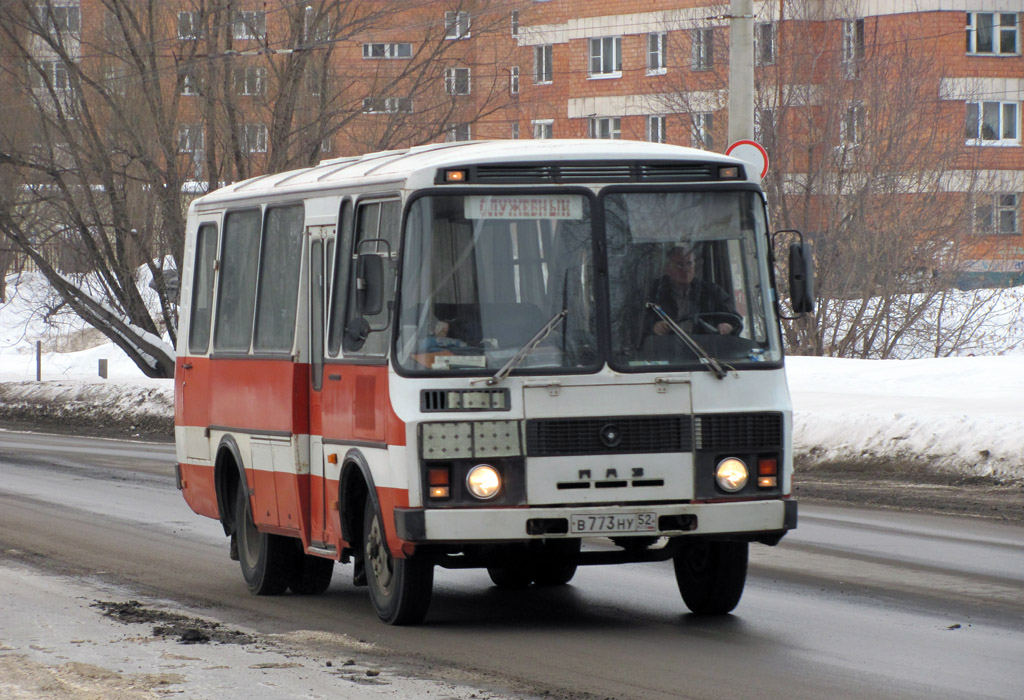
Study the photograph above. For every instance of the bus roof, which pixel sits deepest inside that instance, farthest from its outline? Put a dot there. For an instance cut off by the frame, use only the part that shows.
(417, 167)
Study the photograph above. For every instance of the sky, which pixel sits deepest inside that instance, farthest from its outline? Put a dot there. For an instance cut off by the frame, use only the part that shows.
(956, 414)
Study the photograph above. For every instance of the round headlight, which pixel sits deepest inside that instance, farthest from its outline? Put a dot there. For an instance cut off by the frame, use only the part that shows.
(483, 481)
(731, 474)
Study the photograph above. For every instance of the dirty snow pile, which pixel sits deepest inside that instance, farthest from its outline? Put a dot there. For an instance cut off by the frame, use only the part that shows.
(958, 414)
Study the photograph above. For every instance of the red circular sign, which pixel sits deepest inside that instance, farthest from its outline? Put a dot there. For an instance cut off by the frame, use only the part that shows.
(751, 152)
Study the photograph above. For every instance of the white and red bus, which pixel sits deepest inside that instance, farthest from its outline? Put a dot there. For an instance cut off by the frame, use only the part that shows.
(445, 356)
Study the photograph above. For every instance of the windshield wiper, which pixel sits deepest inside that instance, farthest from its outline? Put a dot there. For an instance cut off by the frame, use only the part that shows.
(688, 341)
(529, 347)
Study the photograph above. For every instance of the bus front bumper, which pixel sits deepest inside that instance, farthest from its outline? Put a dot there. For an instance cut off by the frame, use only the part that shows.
(756, 520)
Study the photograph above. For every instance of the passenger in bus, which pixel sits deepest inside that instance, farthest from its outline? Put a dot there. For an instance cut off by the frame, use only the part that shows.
(684, 297)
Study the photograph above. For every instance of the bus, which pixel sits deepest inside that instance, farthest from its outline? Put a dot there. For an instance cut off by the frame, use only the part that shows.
(474, 355)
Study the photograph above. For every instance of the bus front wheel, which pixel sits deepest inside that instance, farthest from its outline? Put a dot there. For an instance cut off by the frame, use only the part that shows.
(400, 589)
(711, 575)
(267, 560)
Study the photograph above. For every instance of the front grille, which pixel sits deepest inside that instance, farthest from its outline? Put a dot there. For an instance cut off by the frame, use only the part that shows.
(514, 173)
(676, 172)
(611, 172)
(552, 437)
(738, 431)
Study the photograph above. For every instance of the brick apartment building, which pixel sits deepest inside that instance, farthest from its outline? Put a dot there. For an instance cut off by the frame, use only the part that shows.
(896, 116)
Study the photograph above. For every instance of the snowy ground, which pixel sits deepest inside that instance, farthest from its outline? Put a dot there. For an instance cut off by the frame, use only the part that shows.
(961, 414)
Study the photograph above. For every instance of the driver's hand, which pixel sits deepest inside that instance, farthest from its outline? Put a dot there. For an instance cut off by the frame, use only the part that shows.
(725, 328)
(661, 328)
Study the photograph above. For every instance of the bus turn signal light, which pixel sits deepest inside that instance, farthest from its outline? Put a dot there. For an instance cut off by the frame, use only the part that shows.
(438, 482)
(454, 175)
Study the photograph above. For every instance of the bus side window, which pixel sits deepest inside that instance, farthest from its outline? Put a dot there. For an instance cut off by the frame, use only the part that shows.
(278, 292)
(377, 224)
(236, 299)
(339, 286)
(202, 290)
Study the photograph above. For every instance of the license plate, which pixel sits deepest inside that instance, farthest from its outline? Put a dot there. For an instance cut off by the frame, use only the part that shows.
(603, 523)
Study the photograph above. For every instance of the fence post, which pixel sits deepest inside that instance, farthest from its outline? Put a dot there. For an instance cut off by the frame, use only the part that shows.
(39, 360)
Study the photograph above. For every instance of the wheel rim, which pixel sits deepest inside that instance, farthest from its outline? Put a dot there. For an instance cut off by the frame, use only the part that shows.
(379, 558)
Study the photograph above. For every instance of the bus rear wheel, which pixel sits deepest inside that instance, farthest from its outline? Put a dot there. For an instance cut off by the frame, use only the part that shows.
(711, 575)
(267, 560)
(400, 589)
(311, 575)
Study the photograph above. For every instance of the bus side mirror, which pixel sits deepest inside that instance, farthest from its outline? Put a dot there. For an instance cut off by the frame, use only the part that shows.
(369, 284)
(801, 277)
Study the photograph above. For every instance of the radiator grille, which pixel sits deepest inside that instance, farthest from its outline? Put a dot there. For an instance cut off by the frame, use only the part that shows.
(611, 435)
(738, 431)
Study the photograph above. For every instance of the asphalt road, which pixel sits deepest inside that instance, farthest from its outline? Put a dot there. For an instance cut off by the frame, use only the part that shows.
(855, 604)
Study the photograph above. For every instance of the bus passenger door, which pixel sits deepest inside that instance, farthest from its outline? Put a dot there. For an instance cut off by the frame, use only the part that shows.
(321, 246)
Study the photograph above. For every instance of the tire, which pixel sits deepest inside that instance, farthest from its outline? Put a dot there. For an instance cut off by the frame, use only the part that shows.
(558, 563)
(511, 576)
(312, 575)
(400, 589)
(267, 561)
(711, 576)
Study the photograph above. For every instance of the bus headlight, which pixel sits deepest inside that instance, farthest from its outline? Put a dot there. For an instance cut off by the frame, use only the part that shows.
(483, 481)
(731, 474)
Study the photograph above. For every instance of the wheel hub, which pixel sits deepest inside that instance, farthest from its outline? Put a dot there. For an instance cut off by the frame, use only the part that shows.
(378, 556)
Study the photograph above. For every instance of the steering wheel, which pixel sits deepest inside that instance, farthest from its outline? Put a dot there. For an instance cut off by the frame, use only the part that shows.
(707, 321)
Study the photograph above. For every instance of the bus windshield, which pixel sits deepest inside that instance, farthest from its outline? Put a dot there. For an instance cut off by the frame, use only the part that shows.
(688, 264)
(483, 274)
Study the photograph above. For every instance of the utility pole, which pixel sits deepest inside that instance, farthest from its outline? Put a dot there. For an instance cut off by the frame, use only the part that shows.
(741, 70)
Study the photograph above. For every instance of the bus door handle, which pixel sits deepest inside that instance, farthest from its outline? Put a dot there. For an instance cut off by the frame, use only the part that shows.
(334, 377)
(186, 365)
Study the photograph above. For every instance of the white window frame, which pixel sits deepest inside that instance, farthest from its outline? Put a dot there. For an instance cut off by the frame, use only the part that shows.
(62, 18)
(702, 134)
(605, 57)
(656, 128)
(312, 31)
(190, 25)
(1007, 125)
(543, 72)
(1001, 25)
(513, 80)
(852, 47)
(253, 138)
(57, 76)
(543, 128)
(387, 105)
(702, 48)
(250, 24)
(251, 81)
(656, 64)
(457, 81)
(453, 132)
(606, 128)
(189, 81)
(456, 24)
(378, 51)
(766, 48)
(191, 138)
(852, 126)
(996, 208)
(514, 18)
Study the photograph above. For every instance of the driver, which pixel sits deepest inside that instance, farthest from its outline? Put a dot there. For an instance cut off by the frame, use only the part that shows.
(682, 296)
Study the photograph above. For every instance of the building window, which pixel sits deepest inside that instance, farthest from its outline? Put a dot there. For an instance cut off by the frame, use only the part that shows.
(378, 51)
(190, 138)
(997, 215)
(703, 125)
(851, 129)
(327, 145)
(542, 72)
(252, 138)
(606, 57)
(513, 80)
(51, 74)
(190, 25)
(515, 22)
(457, 132)
(250, 25)
(543, 128)
(656, 129)
(853, 47)
(605, 128)
(456, 25)
(59, 19)
(702, 48)
(456, 81)
(993, 33)
(765, 46)
(251, 80)
(188, 81)
(656, 53)
(992, 123)
(315, 29)
(515, 130)
(387, 105)
(764, 126)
